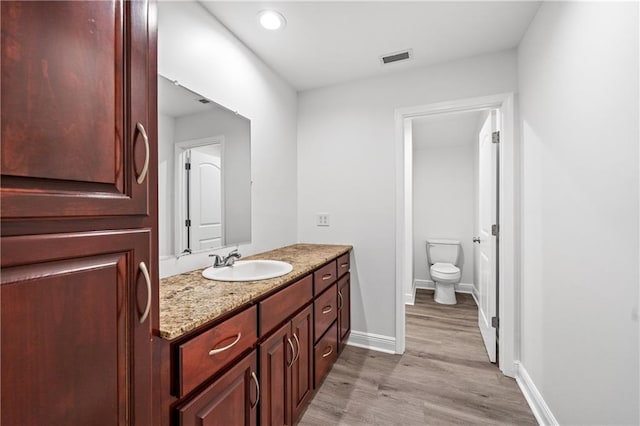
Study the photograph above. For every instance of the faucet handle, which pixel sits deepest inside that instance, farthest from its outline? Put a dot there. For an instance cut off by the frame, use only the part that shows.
(217, 260)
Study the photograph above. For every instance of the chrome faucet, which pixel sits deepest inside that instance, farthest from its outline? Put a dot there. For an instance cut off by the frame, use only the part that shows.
(228, 260)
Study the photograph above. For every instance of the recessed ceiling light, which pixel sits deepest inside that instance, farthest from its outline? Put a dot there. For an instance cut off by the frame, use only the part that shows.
(271, 20)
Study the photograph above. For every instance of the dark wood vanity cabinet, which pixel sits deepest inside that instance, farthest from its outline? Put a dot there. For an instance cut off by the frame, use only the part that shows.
(299, 327)
(76, 124)
(79, 285)
(76, 329)
(344, 300)
(286, 366)
(277, 354)
(302, 369)
(344, 310)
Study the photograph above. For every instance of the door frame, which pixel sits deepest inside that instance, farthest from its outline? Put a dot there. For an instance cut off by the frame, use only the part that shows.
(508, 278)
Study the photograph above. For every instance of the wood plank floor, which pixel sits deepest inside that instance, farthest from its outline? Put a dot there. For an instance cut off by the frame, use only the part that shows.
(443, 378)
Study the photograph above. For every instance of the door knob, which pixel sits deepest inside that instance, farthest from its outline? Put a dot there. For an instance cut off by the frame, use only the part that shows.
(476, 240)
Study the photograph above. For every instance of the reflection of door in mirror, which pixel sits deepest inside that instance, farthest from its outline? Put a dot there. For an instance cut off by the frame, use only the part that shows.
(200, 216)
(209, 205)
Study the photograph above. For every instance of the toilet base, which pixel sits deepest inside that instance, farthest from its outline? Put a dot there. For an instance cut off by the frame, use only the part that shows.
(445, 294)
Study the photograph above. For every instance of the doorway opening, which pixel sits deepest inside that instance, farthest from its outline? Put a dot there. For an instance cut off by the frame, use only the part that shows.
(496, 230)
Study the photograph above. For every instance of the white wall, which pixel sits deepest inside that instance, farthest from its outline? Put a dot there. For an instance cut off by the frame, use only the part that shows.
(444, 187)
(195, 49)
(578, 79)
(346, 167)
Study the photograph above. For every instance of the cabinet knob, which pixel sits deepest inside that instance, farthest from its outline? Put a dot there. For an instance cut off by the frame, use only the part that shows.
(326, 354)
(255, 380)
(145, 273)
(295, 337)
(293, 352)
(229, 346)
(145, 166)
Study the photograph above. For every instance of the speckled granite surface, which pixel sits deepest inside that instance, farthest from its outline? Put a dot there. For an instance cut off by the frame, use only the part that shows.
(189, 300)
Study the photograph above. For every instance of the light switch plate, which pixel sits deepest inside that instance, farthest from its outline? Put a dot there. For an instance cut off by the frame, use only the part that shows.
(322, 219)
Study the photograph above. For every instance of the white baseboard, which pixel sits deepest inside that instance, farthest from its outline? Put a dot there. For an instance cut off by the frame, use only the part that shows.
(410, 298)
(375, 342)
(540, 409)
(476, 295)
(430, 285)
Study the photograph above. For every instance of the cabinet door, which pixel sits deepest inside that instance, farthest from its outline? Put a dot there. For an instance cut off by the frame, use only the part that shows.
(276, 357)
(229, 401)
(302, 369)
(74, 88)
(75, 338)
(344, 310)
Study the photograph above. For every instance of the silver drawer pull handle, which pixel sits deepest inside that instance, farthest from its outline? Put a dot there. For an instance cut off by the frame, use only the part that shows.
(293, 352)
(340, 300)
(255, 379)
(217, 351)
(344, 265)
(326, 354)
(295, 337)
(327, 309)
(145, 167)
(326, 277)
(145, 273)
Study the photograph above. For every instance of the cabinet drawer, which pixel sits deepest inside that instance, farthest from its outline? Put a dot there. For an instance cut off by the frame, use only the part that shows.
(230, 400)
(277, 308)
(344, 263)
(206, 354)
(324, 277)
(325, 310)
(326, 352)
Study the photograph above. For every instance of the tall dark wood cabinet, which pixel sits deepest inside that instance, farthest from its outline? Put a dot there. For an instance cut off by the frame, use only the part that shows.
(78, 199)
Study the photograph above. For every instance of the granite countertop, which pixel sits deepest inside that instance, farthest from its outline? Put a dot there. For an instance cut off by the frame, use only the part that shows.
(189, 300)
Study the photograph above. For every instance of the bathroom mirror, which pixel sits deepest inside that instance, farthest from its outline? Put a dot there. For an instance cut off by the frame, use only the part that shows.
(204, 173)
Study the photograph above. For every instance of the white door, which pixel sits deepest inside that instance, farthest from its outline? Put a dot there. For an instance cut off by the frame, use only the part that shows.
(487, 217)
(206, 198)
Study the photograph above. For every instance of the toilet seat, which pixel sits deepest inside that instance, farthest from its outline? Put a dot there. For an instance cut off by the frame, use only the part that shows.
(445, 272)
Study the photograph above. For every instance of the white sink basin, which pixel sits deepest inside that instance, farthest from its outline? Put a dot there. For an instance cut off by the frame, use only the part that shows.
(248, 270)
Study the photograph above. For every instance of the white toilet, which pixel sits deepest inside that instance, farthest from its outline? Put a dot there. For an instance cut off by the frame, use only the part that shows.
(443, 257)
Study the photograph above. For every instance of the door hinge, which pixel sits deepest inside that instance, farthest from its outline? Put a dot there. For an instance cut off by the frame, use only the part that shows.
(187, 166)
(495, 322)
(495, 137)
(494, 230)
(187, 223)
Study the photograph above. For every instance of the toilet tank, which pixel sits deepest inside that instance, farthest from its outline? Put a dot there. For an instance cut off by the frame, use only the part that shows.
(443, 251)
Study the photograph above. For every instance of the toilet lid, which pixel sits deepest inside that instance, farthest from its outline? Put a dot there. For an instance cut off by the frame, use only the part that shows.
(445, 268)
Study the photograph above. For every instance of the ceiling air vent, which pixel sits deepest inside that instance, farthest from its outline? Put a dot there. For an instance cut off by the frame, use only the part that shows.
(396, 56)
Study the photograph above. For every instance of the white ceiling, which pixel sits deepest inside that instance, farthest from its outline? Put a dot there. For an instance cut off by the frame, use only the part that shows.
(326, 43)
(176, 101)
(455, 129)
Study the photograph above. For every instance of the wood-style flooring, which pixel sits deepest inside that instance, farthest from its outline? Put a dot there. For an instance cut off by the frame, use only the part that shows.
(443, 378)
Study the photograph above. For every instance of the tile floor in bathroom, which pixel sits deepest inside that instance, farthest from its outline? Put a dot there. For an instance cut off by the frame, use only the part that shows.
(443, 378)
